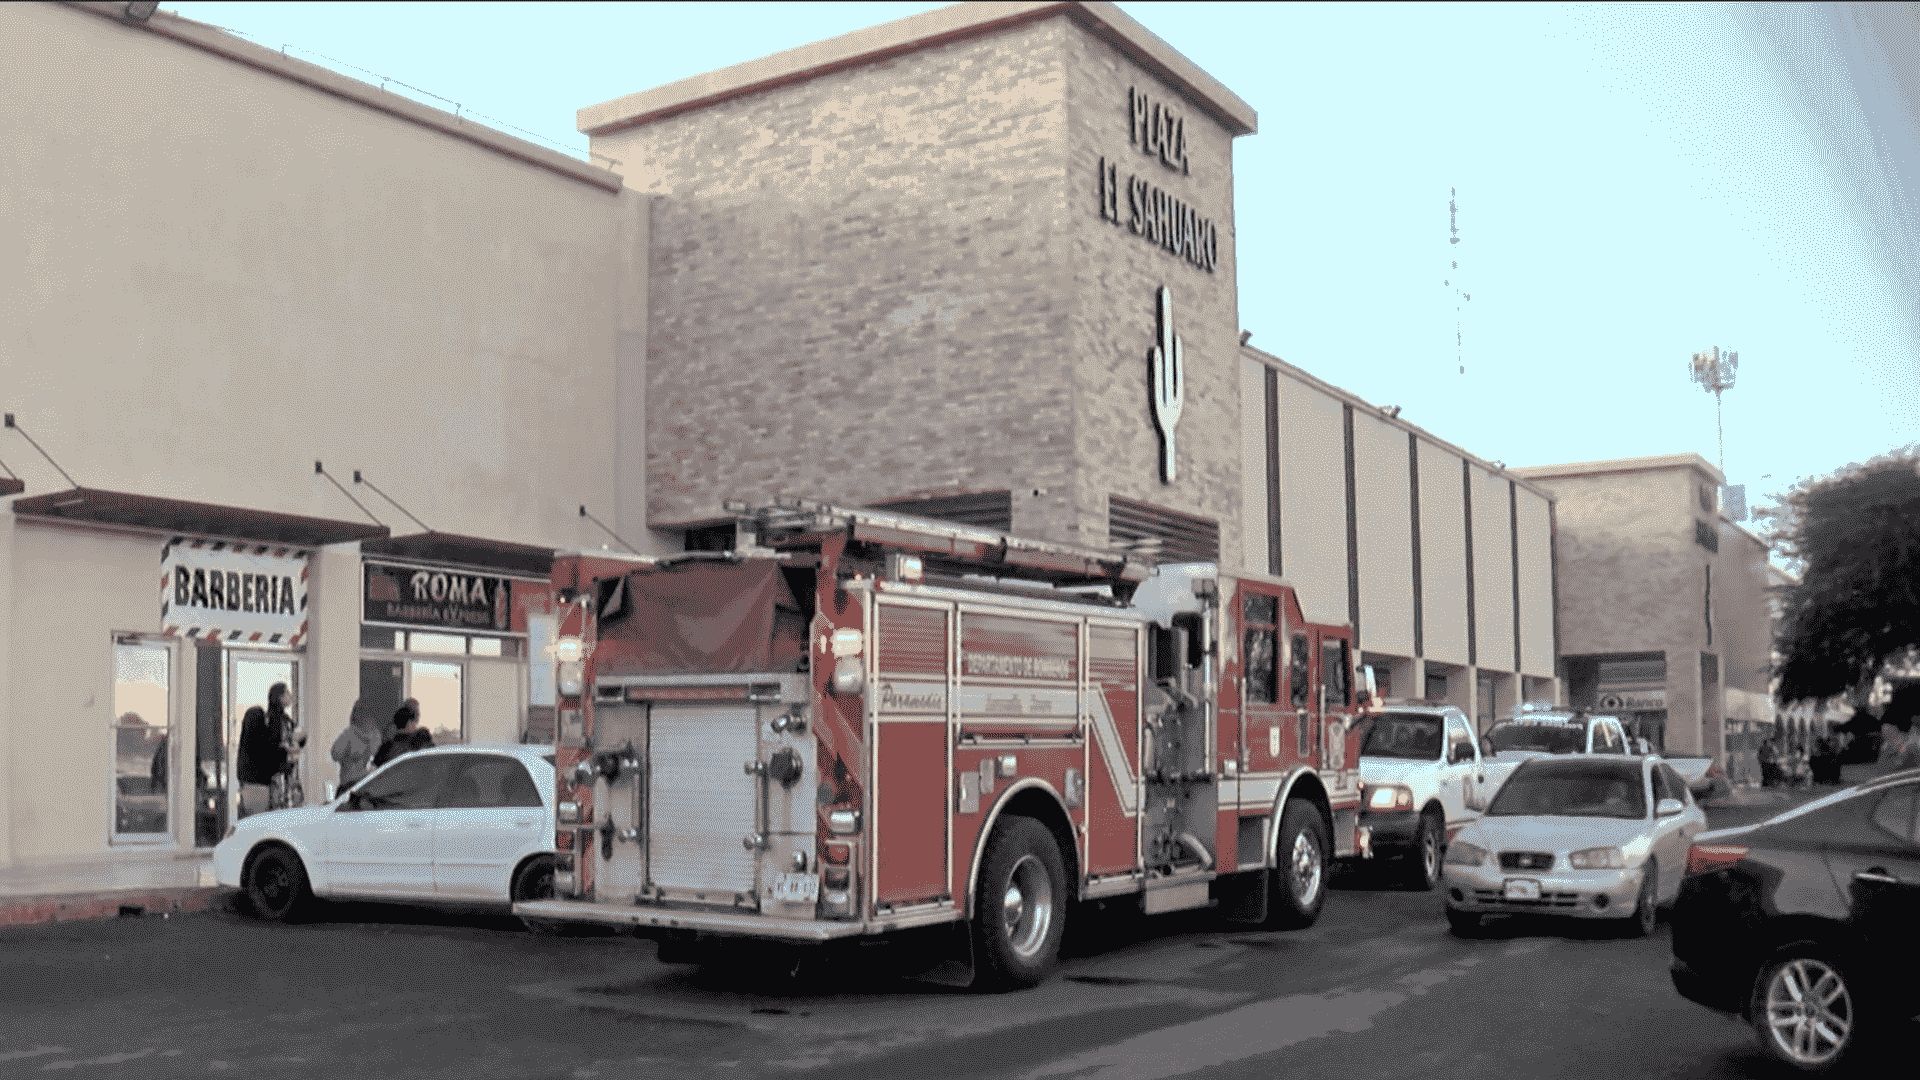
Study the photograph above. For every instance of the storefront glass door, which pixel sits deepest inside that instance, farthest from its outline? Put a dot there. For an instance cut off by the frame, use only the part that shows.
(142, 753)
(249, 676)
(438, 685)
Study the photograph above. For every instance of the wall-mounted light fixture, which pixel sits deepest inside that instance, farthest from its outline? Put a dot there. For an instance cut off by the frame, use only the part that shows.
(1390, 411)
(141, 10)
(1246, 336)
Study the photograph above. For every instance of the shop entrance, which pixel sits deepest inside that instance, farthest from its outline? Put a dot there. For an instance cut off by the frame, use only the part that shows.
(249, 676)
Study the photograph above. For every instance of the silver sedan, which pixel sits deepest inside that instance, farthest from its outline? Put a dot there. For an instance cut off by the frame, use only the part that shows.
(1583, 837)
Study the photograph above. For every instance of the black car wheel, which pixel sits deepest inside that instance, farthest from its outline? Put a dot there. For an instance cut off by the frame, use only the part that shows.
(1423, 863)
(1804, 1012)
(276, 885)
(535, 882)
(1646, 906)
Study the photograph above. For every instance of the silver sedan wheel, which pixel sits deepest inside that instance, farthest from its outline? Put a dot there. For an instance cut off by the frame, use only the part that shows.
(1027, 906)
(1809, 1012)
(1307, 869)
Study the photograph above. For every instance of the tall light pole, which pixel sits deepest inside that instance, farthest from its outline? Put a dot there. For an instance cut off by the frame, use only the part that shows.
(1714, 370)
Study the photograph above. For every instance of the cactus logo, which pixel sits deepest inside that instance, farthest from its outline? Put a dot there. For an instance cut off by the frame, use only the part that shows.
(1167, 372)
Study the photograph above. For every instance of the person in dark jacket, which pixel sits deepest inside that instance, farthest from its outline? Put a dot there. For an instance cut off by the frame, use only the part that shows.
(261, 757)
(407, 734)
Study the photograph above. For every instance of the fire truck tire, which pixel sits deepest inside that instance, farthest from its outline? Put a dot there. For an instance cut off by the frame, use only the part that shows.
(1298, 884)
(276, 884)
(1020, 906)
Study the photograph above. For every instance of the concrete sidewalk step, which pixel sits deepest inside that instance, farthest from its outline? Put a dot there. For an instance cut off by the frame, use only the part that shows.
(77, 907)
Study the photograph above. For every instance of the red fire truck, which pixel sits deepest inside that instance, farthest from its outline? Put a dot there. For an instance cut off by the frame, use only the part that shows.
(855, 723)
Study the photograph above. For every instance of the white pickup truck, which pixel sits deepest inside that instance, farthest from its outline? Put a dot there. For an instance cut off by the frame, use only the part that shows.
(1423, 778)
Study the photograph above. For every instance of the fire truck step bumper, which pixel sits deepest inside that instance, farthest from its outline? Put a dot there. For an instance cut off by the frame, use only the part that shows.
(630, 916)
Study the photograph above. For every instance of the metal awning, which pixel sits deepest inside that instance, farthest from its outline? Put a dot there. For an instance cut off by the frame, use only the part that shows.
(505, 556)
(151, 512)
(10, 485)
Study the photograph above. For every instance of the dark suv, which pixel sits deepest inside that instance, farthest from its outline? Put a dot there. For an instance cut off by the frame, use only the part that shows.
(1807, 926)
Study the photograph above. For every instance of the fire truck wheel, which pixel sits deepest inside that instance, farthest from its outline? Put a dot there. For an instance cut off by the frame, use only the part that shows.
(1020, 906)
(276, 884)
(1298, 883)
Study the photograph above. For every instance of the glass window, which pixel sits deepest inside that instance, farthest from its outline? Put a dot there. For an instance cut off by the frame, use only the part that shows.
(1897, 810)
(1676, 784)
(1261, 616)
(441, 644)
(1546, 738)
(491, 781)
(142, 758)
(1459, 740)
(1297, 671)
(380, 637)
(1584, 788)
(1412, 736)
(437, 686)
(1335, 673)
(486, 646)
(412, 783)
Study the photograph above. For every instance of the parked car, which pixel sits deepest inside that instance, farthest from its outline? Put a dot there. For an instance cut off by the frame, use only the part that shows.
(1585, 837)
(1807, 925)
(1423, 780)
(1536, 731)
(450, 824)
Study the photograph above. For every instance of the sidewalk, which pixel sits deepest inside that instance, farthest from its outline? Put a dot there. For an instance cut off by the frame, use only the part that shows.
(103, 887)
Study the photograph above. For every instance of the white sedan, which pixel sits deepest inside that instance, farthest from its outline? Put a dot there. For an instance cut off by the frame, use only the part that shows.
(451, 824)
(1586, 837)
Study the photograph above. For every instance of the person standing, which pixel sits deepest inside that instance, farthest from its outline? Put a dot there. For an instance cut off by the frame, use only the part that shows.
(407, 735)
(286, 732)
(353, 751)
(261, 757)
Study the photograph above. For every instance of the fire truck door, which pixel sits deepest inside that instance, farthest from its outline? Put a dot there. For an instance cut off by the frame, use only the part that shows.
(911, 752)
(619, 733)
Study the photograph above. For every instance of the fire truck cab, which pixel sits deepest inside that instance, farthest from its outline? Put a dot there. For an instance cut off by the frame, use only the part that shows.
(858, 722)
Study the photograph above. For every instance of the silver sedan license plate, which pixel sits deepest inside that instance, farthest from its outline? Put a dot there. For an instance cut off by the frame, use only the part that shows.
(796, 888)
(1522, 889)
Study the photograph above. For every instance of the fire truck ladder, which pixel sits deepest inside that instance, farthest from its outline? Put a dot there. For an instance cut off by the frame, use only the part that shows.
(1042, 559)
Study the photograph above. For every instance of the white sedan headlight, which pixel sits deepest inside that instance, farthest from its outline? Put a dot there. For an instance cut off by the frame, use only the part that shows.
(1389, 797)
(1599, 858)
(1461, 853)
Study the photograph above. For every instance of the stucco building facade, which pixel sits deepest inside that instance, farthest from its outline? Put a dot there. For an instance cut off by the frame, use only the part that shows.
(326, 376)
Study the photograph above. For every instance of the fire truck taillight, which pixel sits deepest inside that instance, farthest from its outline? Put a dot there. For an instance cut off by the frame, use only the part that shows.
(843, 822)
(849, 670)
(837, 855)
(563, 840)
(571, 653)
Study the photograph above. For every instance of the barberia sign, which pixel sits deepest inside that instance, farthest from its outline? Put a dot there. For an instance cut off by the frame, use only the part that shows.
(451, 599)
(227, 591)
(1144, 208)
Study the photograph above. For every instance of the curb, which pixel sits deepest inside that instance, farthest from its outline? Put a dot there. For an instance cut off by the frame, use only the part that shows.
(79, 907)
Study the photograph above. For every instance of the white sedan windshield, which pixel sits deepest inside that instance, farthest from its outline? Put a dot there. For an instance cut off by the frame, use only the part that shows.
(1572, 790)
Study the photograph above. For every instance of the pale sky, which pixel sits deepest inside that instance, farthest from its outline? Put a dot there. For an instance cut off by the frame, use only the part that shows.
(1636, 183)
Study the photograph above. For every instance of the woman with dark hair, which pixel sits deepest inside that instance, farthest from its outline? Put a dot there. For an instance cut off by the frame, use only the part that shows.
(407, 735)
(261, 758)
(286, 732)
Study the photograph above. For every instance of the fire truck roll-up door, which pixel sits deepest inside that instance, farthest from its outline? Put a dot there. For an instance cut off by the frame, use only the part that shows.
(701, 802)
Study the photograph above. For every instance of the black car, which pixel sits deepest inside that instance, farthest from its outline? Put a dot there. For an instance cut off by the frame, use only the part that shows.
(1808, 925)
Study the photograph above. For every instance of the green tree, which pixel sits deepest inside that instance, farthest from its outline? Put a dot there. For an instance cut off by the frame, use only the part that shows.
(1854, 540)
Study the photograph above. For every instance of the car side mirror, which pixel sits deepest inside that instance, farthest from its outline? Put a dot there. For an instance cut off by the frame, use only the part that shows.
(1669, 808)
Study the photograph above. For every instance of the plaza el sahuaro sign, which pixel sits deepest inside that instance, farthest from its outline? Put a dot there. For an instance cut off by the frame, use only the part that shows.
(1143, 207)
(442, 599)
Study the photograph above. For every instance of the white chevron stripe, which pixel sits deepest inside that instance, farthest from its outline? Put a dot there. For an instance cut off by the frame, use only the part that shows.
(1111, 751)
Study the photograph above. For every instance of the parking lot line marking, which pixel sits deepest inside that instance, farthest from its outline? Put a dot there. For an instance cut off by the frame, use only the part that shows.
(38, 1051)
